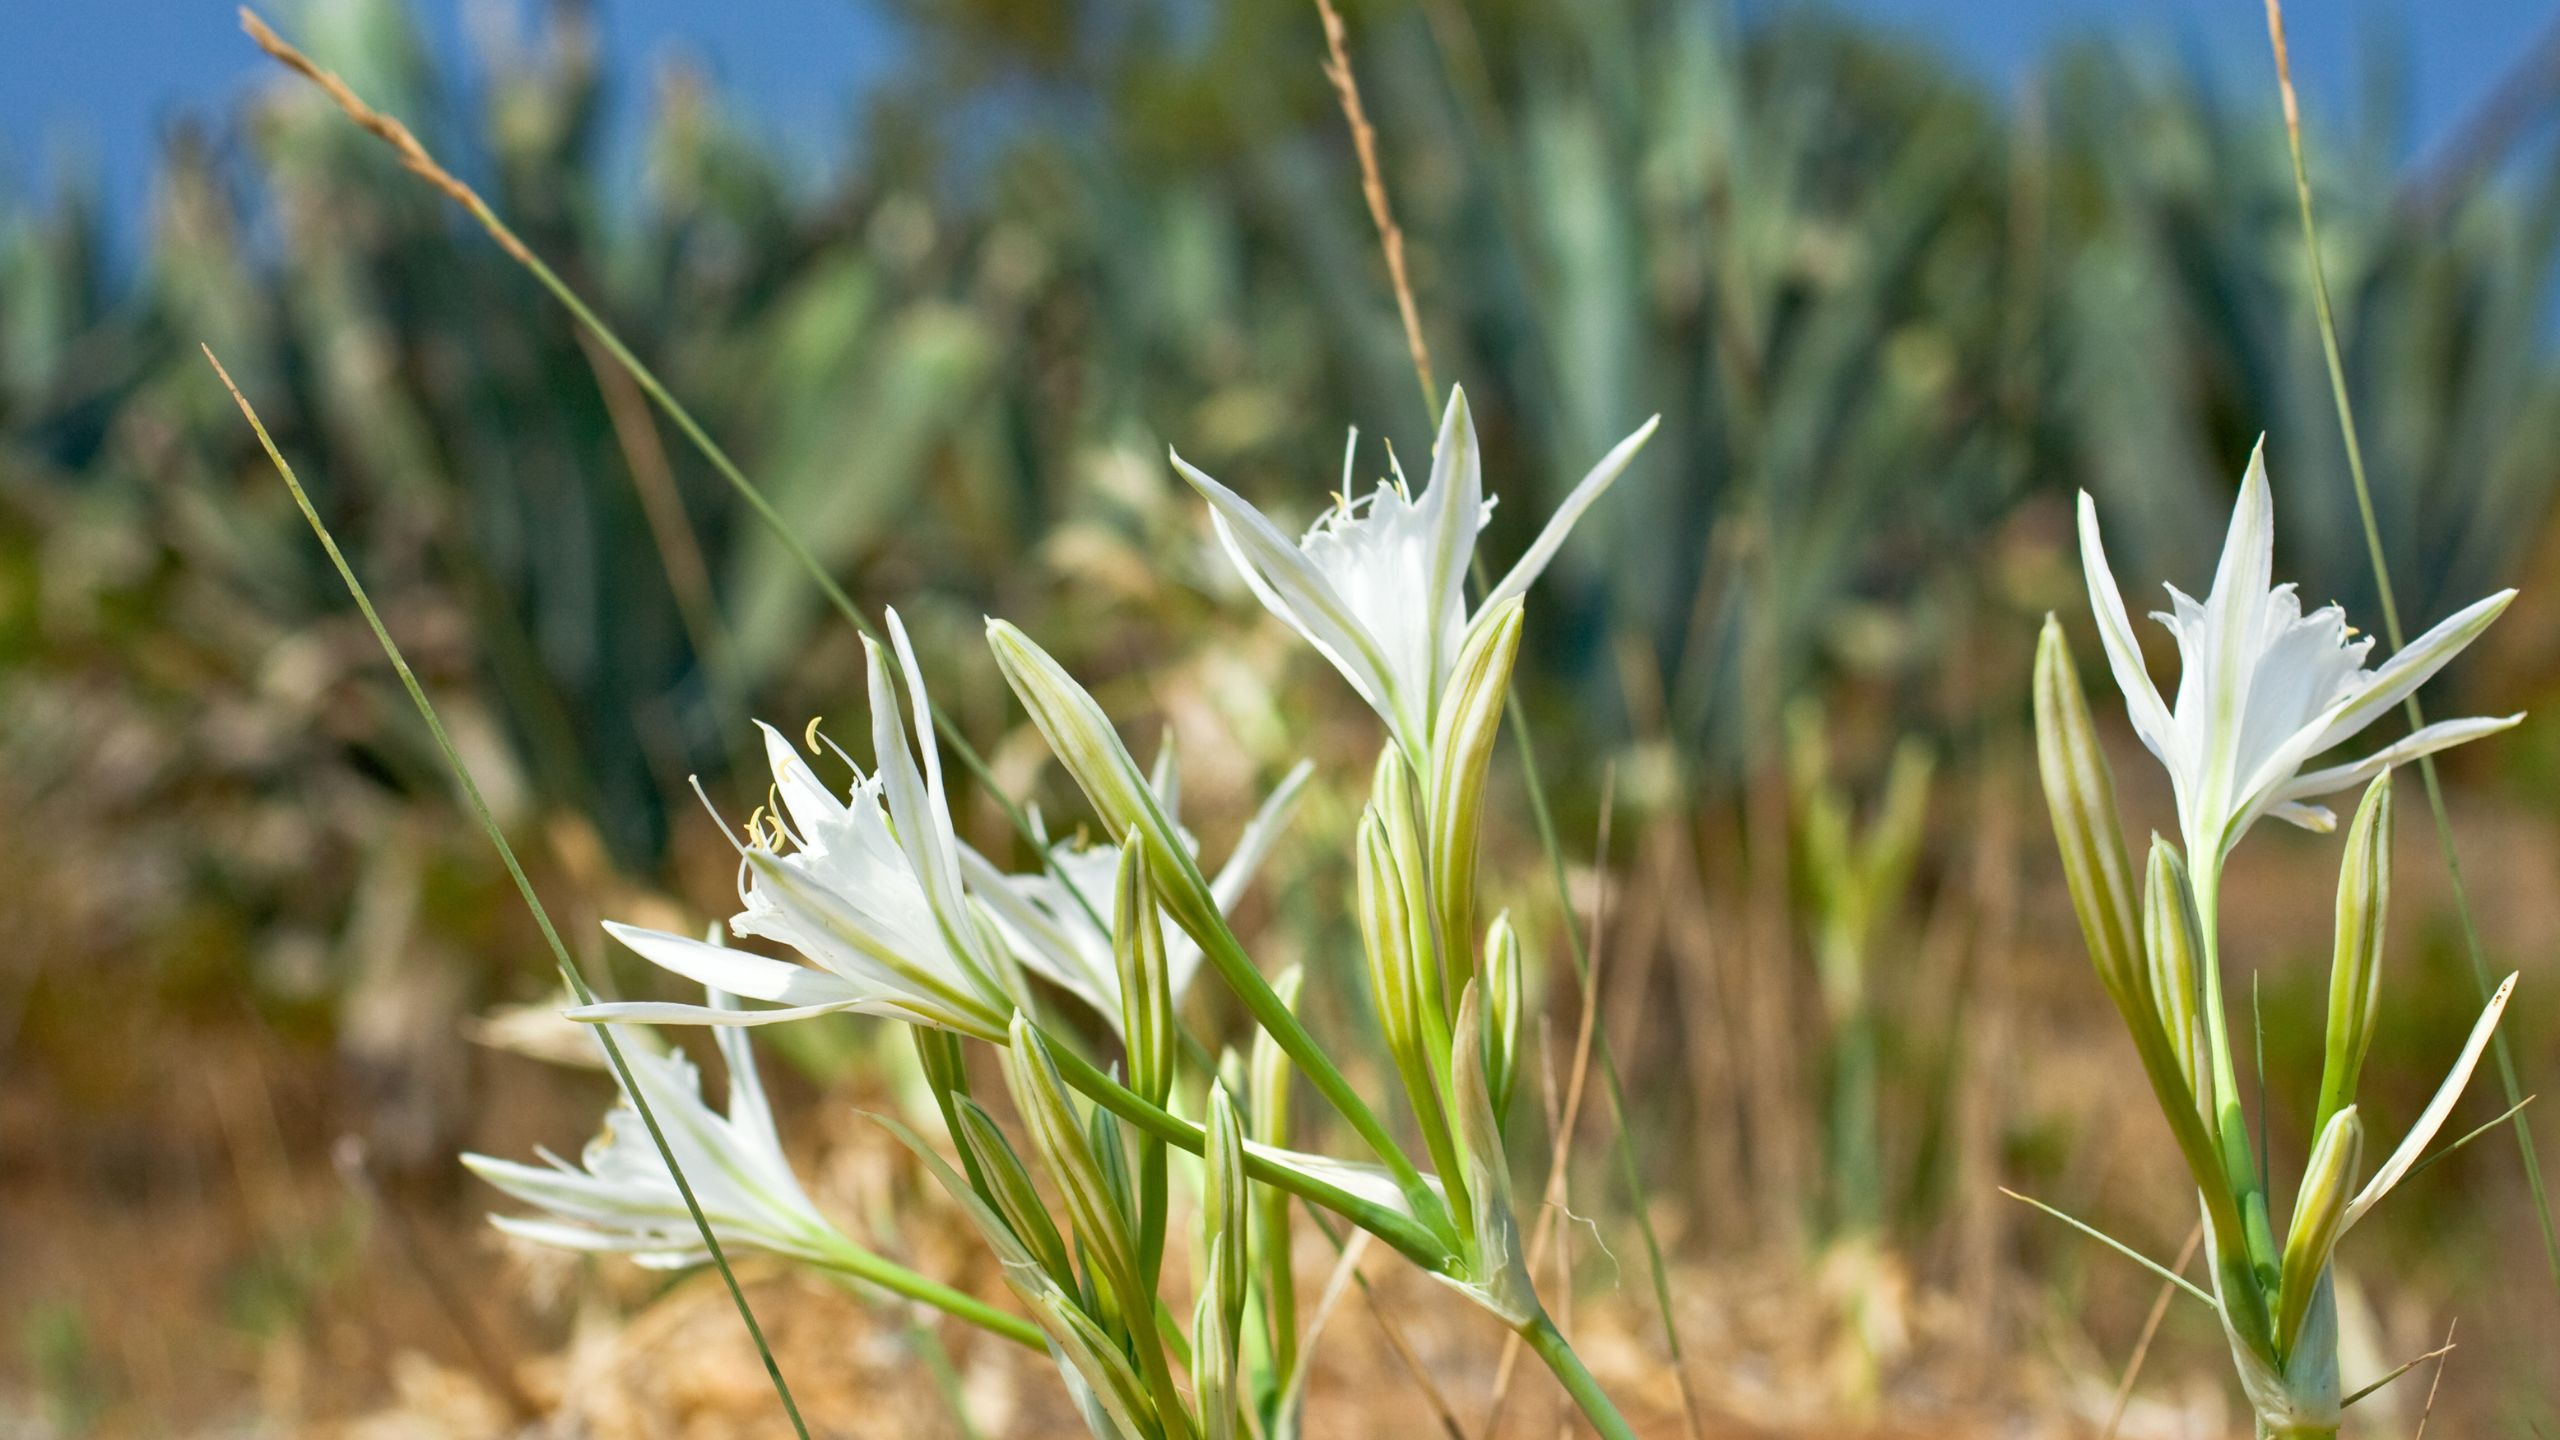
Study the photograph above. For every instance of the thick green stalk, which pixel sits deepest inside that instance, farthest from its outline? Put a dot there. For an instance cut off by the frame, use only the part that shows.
(862, 1265)
(1551, 1346)
(1411, 1238)
(2231, 1122)
(1226, 955)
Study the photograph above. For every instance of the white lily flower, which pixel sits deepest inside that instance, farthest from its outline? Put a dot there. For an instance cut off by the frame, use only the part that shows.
(619, 1198)
(1378, 583)
(2263, 687)
(867, 889)
(1058, 919)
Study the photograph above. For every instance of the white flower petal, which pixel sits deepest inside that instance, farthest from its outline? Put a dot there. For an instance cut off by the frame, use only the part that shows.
(1452, 514)
(1257, 837)
(2115, 634)
(915, 796)
(2318, 819)
(2442, 735)
(1533, 561)
(735, 971)
(1291, 587)
(814, 813)
(2412, 667)
(668, 1012)
(2432, 1118)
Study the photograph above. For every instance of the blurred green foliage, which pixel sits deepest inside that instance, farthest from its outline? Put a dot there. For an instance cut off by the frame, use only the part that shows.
(1890, 320)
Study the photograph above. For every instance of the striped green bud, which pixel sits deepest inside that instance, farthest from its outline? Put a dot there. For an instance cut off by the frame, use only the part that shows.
(1504, 1011)
(1386, 934)
(1224, 1208)
(1497, 1269)
(1468, 720)
(2173, 951)
(1111, 1382)
(1146, 985)
(2355, 970)
(1006, 1183)
(2080, 792)
(1082, 738)
(2319, 1217)
(1213, 1357)
(1066, 1148)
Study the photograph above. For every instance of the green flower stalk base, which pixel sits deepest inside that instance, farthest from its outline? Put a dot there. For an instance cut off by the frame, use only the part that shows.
(1551, 1347)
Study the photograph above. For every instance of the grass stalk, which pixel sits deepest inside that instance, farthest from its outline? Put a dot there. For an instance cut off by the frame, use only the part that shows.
(524, 886)
(2508, 1076)
(1373, 189)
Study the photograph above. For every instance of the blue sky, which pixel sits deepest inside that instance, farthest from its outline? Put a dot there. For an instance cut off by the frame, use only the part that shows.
(97, 81)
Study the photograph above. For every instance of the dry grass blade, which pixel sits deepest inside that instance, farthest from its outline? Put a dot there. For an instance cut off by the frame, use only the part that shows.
(479, 806)
(2442, 1355)
(1373, 188)
(2404, 1367)
(2508, 1077)
(2150, 1332)
(1348, 1250)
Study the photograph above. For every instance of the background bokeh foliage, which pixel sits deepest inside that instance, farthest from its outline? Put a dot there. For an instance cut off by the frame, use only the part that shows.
(1892, 320)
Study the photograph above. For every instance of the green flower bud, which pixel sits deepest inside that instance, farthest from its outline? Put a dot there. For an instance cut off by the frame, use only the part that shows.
(2080, 792)
(2173, 949)
(1146, 986)
(1268, 1077)
(1468, 721)
(1094, 1203)
(2355, 971)
(1224, 1203)
(1006, 1184)
(1213, 1358)
(1498, 1274)
(1082, 738)
(1504, 1011)
(2319, 1217)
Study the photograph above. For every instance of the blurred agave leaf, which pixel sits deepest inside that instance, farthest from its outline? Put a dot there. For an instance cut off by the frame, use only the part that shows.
(859, 423)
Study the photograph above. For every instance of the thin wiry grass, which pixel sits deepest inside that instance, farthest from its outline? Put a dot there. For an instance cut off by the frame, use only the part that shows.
(2150, 1332)
(479, 807)
(2508, 1076)
(2404, 1367)
(1373, 189)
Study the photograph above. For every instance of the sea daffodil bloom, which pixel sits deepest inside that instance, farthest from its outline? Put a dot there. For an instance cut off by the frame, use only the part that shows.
(620, 1199)
(866, 888)
(1058, 919)
(1378, 583)
(2262, 687)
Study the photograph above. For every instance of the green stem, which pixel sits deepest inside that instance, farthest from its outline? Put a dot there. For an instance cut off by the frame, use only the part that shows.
(1551, 1347)
(1226, 955)
(849, 1259)
(1409, 1237)
(2251, 1277)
